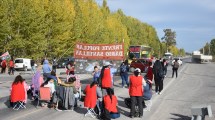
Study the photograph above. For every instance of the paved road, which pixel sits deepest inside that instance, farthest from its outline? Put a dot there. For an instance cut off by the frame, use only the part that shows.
(195, 85)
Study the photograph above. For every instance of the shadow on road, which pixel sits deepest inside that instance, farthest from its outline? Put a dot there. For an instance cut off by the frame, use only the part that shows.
(180, 117)
(7, 103)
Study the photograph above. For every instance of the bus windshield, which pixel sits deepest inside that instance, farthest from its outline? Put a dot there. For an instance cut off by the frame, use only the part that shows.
(168, 55)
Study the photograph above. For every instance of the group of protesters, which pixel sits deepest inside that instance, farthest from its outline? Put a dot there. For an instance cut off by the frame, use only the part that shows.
(102, 86)
(4, 65)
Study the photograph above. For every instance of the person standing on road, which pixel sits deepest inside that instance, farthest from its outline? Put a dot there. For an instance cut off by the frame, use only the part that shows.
(175, 67)
(11, 65)
(158, 76)
(54, 64)
(96, 73)
(46, 69)
(164, 65)
(105, 78)
(124, 68)
(3, 66)
(112, 71)
(33, 68)
(136, 92)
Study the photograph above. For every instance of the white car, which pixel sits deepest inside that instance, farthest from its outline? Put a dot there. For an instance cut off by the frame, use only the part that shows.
(23, 63)
(179, 61)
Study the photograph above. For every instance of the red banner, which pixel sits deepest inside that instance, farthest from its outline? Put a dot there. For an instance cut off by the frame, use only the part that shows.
(99, 51)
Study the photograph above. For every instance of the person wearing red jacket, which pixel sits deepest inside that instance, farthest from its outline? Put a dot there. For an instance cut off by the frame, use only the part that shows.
(3, 66)
(106, 80)
(19, 90)
(92, 92)
(136, 92)
(110, 104)
(11, 67)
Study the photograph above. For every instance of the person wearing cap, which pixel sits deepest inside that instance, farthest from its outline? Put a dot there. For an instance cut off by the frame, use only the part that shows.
(136, 92)
(106, 81)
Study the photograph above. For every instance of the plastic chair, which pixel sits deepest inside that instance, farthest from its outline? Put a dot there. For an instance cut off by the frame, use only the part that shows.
(44, 94)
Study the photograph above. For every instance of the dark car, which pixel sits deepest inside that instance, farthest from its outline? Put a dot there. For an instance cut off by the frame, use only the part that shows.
(62, 62)
(139, 63)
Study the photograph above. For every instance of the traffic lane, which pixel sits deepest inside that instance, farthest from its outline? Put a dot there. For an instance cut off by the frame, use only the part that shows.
(194, 86)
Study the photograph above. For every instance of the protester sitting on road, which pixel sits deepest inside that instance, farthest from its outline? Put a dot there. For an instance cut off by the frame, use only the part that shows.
(96, 73)
(71, 82)
(19, 90)
(136, 92)
(46, 69)
(51, 84)
(36, 83)
(106, 81)
(175, 67)
(110, 106)
(124, 68)
(158, 76)
(92, 93)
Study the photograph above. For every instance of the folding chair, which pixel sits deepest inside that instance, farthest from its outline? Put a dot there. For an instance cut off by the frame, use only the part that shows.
(44, 94)
(18, 105)
(91, 112)
(18, 96)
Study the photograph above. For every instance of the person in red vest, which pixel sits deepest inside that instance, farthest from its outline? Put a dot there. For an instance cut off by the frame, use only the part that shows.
(106, 80)
(91, 91)
(11, 67)
(136, 92)
(110, 105)
(19, 90)
(3, 66)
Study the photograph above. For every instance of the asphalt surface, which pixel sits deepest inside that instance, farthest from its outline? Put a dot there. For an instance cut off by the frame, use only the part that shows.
(195, 85)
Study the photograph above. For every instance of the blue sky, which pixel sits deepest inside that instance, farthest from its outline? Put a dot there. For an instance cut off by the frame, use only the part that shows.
(192, 20)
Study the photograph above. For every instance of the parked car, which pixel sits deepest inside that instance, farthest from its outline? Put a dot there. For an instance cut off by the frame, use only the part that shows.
(62, 62)
(139, 63)
(23, 64)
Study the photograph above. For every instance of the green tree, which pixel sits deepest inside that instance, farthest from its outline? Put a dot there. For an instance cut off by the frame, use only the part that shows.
(169, 37)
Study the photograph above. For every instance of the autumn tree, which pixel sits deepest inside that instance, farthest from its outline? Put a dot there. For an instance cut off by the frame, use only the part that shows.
(169, 38)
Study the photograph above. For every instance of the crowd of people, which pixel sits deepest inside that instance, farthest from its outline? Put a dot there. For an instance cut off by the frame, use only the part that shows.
(100, 92)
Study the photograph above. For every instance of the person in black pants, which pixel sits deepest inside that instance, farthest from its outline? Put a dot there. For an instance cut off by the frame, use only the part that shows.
(157, 69)
(136, 92)
(175, 67)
